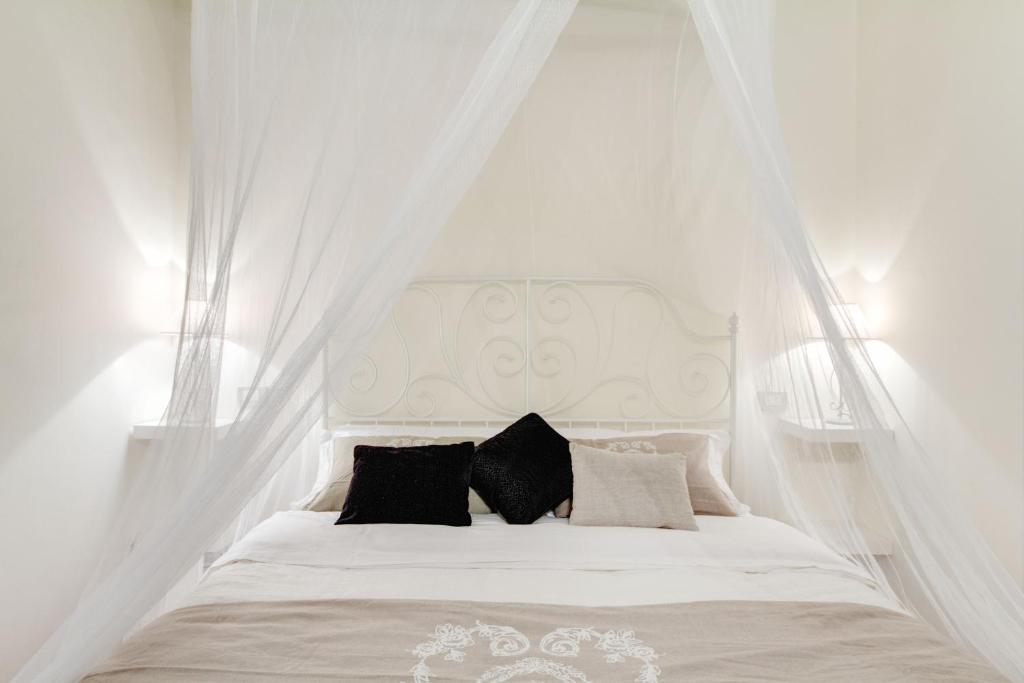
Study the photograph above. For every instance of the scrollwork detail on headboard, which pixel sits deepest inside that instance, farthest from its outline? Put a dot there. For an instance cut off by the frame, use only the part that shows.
(585, 350)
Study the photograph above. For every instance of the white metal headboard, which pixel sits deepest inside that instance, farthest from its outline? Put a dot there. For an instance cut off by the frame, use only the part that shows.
(600, 353)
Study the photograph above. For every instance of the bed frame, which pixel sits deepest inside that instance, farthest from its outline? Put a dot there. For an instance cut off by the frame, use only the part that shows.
(600, 353)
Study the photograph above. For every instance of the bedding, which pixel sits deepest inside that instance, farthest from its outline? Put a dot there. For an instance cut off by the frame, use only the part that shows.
(361, 640)
(413, 485)
(705, 452)
(301, 555)
(709, 491)
(524, 470)
(629, 489)
(336, 460)
(746, 598)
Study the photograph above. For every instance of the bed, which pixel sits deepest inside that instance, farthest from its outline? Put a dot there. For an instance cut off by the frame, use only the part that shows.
(745, 598)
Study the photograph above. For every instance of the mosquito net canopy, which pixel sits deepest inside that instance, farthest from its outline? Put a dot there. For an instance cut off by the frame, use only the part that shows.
(333, 142)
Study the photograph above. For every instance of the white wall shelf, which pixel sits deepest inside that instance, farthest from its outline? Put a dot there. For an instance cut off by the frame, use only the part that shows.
(150, 430)
(846, 457)
(815, 432)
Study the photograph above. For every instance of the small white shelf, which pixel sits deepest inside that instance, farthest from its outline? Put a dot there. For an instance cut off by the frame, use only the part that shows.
(816, 432)
(151, 430)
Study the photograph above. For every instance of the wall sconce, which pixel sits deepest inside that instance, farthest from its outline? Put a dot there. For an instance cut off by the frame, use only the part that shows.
(852, 325)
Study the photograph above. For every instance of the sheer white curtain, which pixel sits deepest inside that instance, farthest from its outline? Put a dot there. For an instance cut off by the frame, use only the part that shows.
(330, 142)
(650, 147)
(941, 566)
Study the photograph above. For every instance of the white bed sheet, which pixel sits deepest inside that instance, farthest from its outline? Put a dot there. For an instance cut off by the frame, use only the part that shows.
(302, 555)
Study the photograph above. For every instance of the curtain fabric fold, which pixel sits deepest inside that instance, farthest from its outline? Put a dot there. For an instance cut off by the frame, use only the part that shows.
(941, 567)
(330, 143)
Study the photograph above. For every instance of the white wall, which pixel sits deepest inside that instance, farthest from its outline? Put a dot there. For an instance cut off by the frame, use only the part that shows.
(939, 263)
(909, 161)
(93, 133)
(583, 184)
(903, 120)
(816, 85)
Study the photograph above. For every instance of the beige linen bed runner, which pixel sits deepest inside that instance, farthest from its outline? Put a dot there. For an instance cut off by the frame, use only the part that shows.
(431, 641)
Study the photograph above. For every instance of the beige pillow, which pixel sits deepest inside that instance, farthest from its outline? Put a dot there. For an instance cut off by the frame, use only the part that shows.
(709, 492)
(331, 497)
(629, 489)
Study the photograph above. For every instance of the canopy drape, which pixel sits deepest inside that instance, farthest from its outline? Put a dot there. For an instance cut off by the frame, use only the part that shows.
(332, 141)
(943, 569)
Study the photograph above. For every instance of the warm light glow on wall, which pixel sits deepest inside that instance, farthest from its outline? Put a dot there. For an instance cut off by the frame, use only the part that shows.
(155, 297)
(852, 322)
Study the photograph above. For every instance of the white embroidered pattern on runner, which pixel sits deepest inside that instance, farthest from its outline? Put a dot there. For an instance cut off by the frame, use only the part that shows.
(453, 640)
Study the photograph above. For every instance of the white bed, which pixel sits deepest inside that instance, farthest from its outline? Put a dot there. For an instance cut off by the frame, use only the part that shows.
(301, 599)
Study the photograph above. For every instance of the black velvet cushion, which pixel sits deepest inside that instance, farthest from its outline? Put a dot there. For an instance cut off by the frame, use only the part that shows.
(411, 485)
(524, 471)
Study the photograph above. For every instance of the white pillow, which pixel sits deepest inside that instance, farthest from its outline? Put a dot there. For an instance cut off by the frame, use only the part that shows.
(705, 451)
(336, 453)
(331, 485)
(629, 489)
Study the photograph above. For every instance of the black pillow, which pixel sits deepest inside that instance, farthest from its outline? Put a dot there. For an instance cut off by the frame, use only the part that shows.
(524, 471)
(411, 485)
